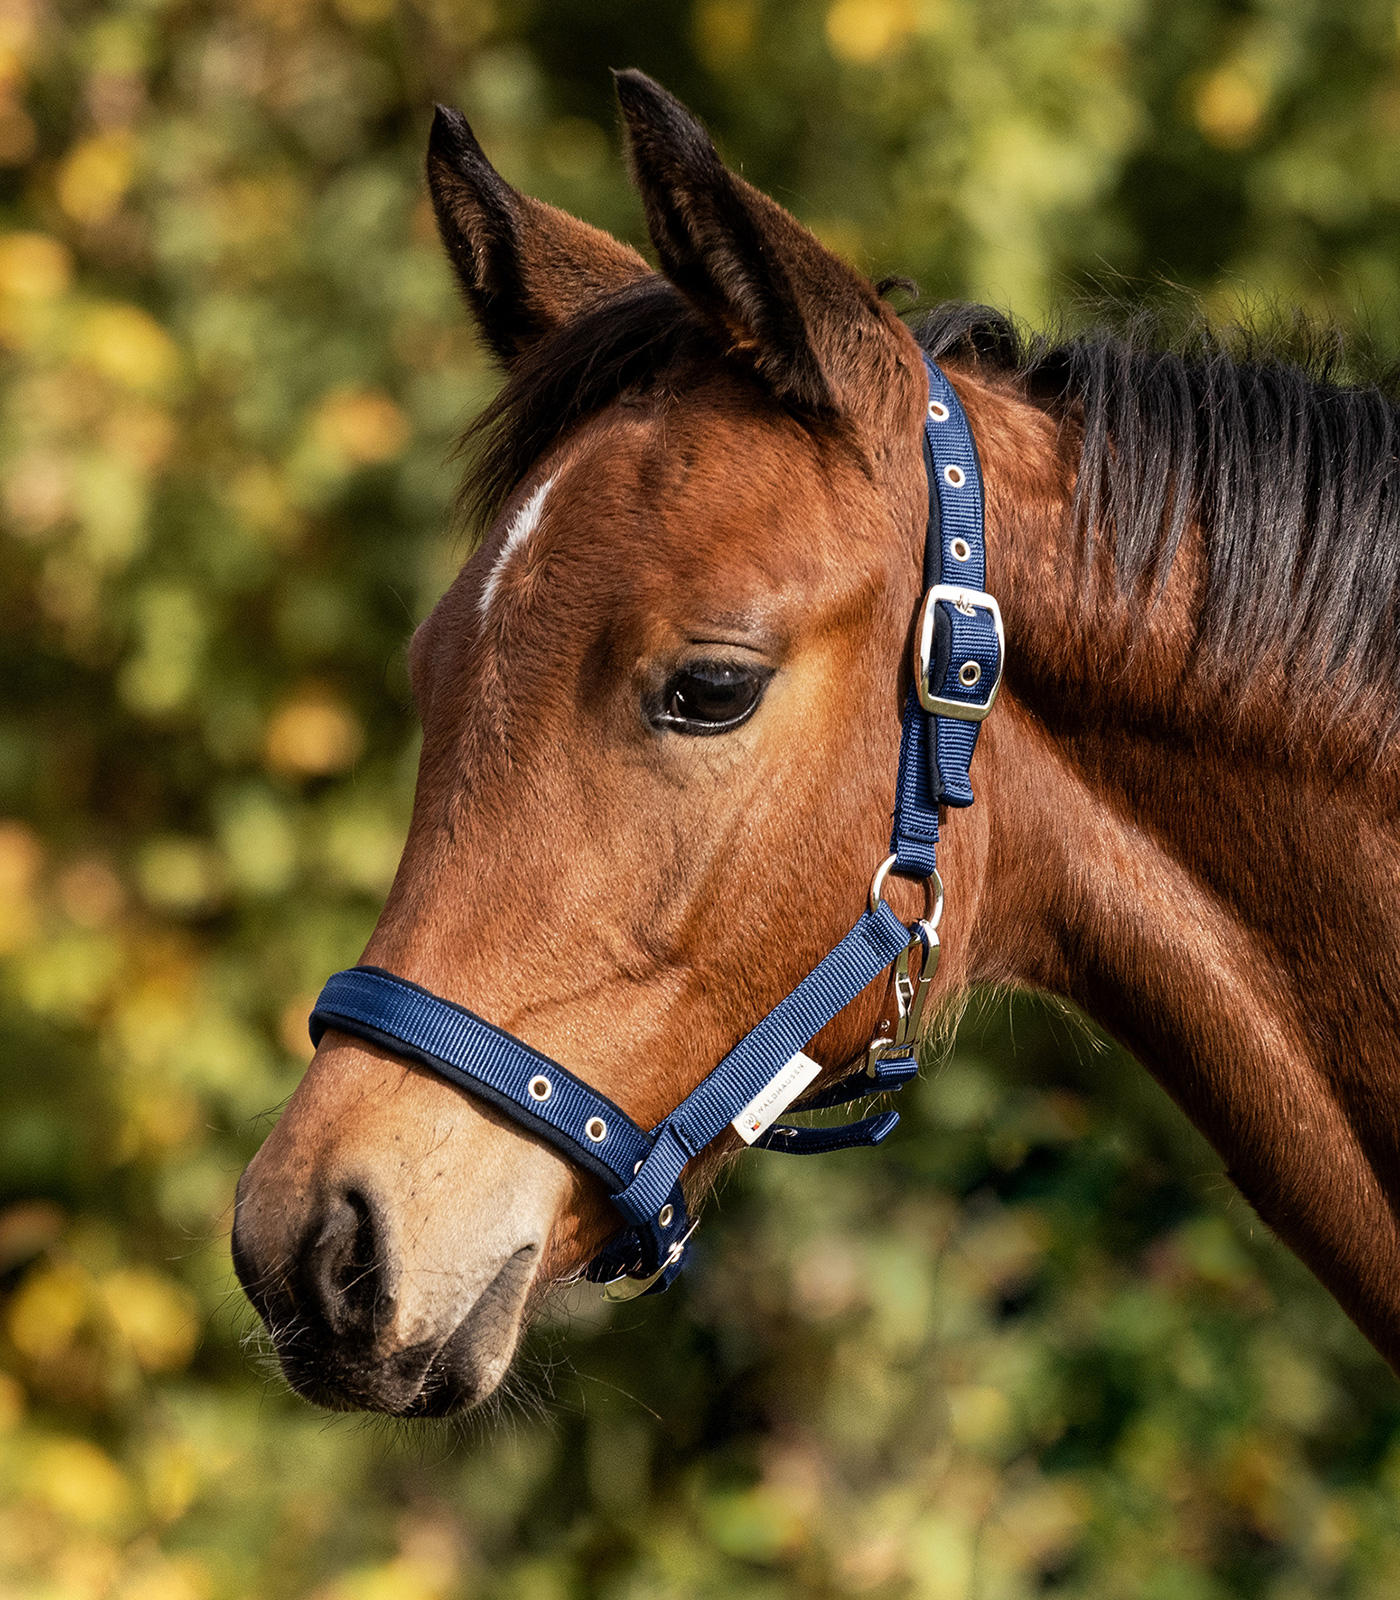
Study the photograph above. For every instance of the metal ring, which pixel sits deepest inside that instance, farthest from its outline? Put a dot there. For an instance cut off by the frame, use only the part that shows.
(960, 549)
(933, 889)
(541, 1088)
(596, 1129)
(938, 411)
(877, 883)
(969, 673)
(665, 1216)
(933, 885)
(955, 476)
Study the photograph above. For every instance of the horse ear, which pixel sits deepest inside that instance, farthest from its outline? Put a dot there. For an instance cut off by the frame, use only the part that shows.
(803, 317)
(525, 266)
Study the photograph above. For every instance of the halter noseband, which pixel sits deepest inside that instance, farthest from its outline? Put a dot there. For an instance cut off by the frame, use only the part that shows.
(959, 651)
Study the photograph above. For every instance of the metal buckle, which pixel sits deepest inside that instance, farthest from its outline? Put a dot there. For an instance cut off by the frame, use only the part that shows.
(625, 1287)
(969, 602)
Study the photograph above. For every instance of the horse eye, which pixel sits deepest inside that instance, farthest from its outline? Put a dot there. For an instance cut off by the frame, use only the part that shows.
(711, 697)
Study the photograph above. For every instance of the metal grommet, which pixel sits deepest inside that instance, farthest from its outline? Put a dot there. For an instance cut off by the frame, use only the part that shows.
(938, 411)
(969, 673)
(960, 549)
(955, 477)
(541, 1088)
(597, 1129)
(665, 1216)
(637, 1168)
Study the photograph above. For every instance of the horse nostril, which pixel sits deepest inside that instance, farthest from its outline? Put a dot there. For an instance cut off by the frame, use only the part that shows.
(345, 1268)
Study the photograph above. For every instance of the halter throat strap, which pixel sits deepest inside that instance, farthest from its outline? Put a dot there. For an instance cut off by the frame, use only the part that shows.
(956, 671)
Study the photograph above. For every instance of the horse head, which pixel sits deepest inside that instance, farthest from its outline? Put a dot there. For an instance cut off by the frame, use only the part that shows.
(661, 711)
(662, 715)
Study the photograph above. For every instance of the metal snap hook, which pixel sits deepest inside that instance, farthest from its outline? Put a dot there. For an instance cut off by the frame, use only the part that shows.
(910, 994)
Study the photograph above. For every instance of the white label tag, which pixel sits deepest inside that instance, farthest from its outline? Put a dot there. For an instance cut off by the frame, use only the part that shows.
(775, 1097)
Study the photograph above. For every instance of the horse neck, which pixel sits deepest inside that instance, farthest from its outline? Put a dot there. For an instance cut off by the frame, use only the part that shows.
(1208, 876)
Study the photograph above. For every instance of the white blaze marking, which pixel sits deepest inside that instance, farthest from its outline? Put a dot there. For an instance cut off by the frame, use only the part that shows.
(523, 524)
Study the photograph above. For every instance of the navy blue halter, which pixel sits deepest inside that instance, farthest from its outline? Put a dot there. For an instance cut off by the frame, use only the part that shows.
(958, 658)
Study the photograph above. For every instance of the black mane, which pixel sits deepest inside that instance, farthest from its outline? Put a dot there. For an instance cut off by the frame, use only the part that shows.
(1289, 470)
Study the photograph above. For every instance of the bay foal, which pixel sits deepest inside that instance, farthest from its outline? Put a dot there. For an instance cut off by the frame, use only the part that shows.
(661, 712)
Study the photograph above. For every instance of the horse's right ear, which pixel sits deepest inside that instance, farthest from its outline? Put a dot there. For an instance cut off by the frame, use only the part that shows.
(525, 266)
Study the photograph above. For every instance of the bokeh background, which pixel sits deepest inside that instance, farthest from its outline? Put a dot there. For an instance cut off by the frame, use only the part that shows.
(1035, 1345)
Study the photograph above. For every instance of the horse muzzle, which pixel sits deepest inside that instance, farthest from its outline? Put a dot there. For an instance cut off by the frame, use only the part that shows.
(388, 1282)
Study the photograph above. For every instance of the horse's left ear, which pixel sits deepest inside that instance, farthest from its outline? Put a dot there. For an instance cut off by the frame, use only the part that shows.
(525, 266)
(814, 329)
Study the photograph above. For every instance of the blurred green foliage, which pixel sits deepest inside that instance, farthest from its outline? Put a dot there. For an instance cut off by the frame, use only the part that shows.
(1034, 1345)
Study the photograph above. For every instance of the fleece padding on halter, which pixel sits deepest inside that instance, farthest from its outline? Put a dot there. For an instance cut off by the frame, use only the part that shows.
(957, 670)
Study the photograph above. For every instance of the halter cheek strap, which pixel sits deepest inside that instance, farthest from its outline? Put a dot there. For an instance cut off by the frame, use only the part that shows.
(959, 647)
(958, 658)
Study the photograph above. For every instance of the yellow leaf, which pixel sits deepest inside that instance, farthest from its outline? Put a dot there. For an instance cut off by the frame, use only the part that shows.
(724, 31)
(1229, 108)
(312, 736)
(864, 30)
(158, 1318)
(33, 266)
(172, 628)
(165, 1578)
(171, 1477)
(130, 347)
(360, 426)
(404, 1579)
(48, 1310)
(78, 1482)
(95, 175)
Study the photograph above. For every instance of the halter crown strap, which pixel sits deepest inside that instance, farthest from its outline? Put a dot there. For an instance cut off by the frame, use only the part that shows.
(958, 655)
(959, 650)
